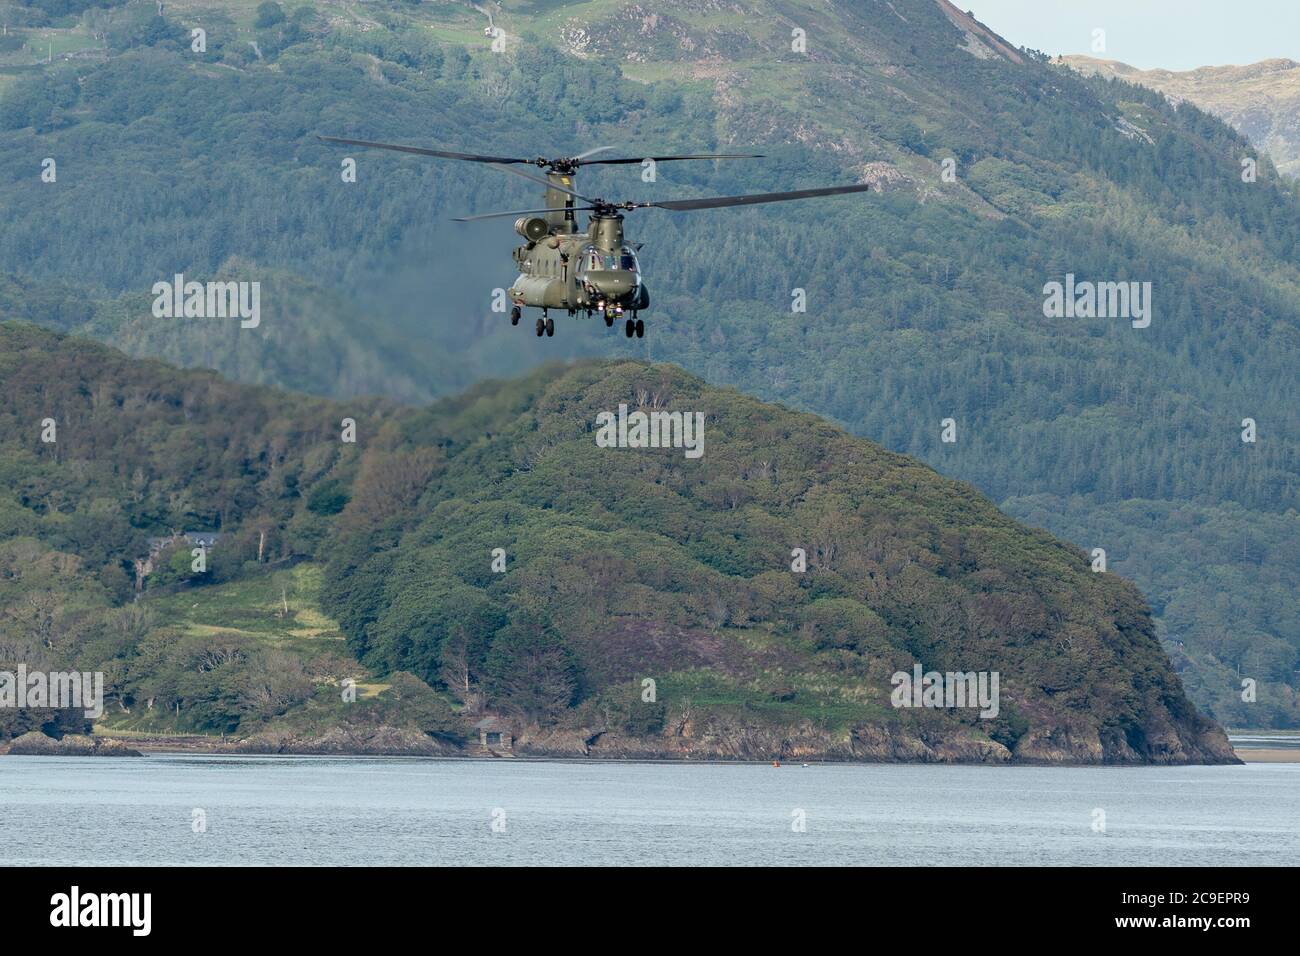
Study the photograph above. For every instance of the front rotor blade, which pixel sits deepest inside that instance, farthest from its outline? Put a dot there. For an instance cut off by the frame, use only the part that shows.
(519, 212)
(440, 153)
(666, 159)
(717, 202)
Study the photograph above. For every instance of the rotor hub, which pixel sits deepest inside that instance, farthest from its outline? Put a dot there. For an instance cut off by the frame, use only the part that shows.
(566, 167)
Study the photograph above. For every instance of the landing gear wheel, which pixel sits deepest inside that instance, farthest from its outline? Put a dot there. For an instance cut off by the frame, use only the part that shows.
(629, 329)
(515, 313)
(541, 327)
(550, 326)
(609, 319)
(640, 328)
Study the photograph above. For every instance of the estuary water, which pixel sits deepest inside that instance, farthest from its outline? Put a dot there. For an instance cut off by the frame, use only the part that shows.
(214, 810)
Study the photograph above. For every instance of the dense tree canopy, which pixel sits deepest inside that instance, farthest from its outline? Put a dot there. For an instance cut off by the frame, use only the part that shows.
(924, 300)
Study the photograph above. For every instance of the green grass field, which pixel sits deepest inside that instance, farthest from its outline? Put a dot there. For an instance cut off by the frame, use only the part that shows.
(280, 609)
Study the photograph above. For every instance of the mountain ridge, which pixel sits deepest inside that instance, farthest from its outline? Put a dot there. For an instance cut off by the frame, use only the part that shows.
(1261, 99)
(923, 302)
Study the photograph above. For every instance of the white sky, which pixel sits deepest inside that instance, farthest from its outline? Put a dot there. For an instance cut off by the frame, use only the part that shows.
(1166, 34)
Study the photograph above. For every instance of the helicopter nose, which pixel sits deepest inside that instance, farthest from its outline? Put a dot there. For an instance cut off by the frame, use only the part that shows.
(615, 283)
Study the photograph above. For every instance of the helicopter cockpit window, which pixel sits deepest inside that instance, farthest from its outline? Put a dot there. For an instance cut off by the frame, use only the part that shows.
(593, 260)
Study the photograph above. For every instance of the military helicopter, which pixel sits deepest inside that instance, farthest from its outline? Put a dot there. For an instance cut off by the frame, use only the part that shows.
(596, 271)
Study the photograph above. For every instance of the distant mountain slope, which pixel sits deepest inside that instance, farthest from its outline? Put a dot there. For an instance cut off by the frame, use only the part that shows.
(1260, 100)
(997, 174)
(620, 569)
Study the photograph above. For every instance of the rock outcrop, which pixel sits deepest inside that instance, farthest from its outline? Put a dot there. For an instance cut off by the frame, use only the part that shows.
(36, 744)
(370, 741)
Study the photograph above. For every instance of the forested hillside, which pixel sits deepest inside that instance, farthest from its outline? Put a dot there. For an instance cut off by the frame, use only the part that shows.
(1261, 100)
(924, 300)
(486, 555)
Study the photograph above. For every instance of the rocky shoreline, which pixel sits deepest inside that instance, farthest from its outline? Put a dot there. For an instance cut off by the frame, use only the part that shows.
(36, 744)
(1080, 746)
(867, 744)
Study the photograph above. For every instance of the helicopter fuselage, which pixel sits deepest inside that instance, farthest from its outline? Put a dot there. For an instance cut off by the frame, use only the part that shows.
(592, 271)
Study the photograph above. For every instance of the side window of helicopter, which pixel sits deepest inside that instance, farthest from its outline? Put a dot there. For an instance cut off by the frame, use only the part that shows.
(593, 260)
(627, 260)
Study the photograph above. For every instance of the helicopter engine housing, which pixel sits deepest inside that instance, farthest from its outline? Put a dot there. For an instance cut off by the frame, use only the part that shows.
(532, 228)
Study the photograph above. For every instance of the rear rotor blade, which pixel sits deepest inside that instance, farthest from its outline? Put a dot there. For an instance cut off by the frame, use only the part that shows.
(593, 152)
(664, 159)
(502, 163)
(540, 181)
(519, 212)
(718, 202)
(440, 153)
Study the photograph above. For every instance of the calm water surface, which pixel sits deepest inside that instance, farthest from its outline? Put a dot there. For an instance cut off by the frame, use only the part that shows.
(359, 811)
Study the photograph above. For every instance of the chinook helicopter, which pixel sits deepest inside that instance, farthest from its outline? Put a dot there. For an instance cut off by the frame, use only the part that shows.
(591, 272)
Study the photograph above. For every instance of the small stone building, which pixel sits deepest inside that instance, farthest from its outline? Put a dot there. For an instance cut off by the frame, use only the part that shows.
(203, 539)
(494, 734)
(144, 567)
